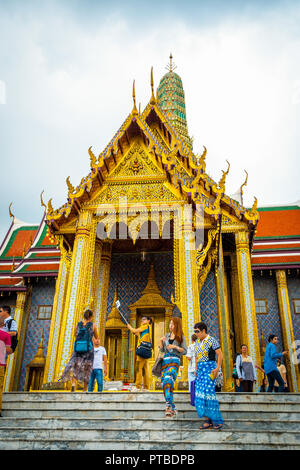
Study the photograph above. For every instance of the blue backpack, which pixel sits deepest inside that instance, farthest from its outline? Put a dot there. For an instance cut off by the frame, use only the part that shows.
(83, 341)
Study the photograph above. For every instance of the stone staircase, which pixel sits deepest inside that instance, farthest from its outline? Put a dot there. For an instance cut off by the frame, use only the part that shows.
(135, 421)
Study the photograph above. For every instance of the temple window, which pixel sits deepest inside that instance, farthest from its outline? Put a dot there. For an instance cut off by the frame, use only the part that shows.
(296, 303)
(261, 306)
(44, 312)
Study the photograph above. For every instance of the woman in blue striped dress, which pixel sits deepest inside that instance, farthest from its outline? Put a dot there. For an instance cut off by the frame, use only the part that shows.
(208, 362)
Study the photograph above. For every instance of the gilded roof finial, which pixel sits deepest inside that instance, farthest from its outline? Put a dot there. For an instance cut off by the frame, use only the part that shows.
(70, 186)
(13, 266)
(222, 180)
(152, 100)
(50, 208)
(171, 67)
(244, 184)
(93, 158)
(24, 250)
(10, 212)
(134, 110)
(42, 202)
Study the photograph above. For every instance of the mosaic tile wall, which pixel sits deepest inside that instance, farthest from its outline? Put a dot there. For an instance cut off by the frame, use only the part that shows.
(130, 273)
(293, 283)
(209, 306)
(265, 288)
(42, 294)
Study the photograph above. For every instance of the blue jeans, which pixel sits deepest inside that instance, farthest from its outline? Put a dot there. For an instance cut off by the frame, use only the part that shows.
(97, 374)
(272, 376)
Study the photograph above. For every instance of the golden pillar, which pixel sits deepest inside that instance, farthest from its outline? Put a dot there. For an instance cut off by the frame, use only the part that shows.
(101, 292)
(287, 330)
(246, 293)
(9, 377)
(93, 290)
(124, 359)
(78, 286)
(57, 314)
(224, 321)
(131, 352)
(186, 283)
(238, 330)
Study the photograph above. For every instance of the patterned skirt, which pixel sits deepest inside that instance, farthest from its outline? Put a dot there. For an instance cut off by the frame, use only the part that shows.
(206, 402)
(169, 372)
(79, 367)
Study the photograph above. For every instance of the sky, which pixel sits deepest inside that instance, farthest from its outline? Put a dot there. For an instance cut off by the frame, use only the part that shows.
(66, 73)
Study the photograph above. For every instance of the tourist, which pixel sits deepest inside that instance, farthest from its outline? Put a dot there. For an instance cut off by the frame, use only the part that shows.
(264, 383)
(245, 370)
(10, 325)
(237, 385)
(173, 345)
(5, 349)
(208, 350)
(270, 364)
(282, 371)
(145, 348)
(80, 365)
(219, 381)
(190, 355)
(98, 371)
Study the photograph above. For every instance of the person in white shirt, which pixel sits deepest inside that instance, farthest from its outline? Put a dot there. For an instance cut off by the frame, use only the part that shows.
(191, 358)
(100, 360)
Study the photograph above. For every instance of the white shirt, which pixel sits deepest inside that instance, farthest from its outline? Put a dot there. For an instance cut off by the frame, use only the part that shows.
(191, 353)
(98, 357)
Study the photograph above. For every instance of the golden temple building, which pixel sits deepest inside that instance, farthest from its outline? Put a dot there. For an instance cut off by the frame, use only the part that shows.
(149, 227)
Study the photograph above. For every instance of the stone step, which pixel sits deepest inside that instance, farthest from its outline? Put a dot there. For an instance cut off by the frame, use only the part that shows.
(149, 397)
(151, 423)
(106, 405)
(210, 441)
(144, 435)
(52, 411)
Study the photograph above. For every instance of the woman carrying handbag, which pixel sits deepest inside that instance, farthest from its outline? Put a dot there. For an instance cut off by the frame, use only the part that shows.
(143, 353)
(173, 345)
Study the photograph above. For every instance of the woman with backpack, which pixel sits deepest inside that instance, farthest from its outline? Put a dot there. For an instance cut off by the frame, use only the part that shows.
(80, 365)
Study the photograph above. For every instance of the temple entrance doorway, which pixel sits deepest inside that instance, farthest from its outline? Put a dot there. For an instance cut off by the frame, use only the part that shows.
(113, 346)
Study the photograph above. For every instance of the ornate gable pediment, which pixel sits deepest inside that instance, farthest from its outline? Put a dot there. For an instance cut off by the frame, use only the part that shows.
(136, 164)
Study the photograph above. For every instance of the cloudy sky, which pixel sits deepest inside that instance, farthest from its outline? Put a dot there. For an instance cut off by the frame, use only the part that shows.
(66, 72)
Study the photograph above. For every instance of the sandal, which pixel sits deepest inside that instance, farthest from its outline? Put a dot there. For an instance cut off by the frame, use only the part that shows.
(209, 424)
(168, 411)
(218, 426)
(173, 412)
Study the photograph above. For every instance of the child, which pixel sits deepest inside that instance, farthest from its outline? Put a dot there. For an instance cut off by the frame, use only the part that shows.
(100, 358)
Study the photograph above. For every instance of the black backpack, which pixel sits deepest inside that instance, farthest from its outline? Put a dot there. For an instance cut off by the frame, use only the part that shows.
(14, 338)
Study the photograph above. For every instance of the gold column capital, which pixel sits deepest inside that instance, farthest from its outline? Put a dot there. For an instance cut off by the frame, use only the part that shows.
(281, 278)
(242, 240)
(21, 299)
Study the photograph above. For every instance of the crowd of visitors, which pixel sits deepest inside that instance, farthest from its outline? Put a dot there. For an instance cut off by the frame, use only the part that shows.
(88, 363)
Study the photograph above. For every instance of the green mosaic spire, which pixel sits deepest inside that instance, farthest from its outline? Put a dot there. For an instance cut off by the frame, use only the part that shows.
(171, 100)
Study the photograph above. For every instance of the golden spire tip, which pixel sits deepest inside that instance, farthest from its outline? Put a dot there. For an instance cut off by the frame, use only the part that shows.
(134, 110)
(152, 100)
